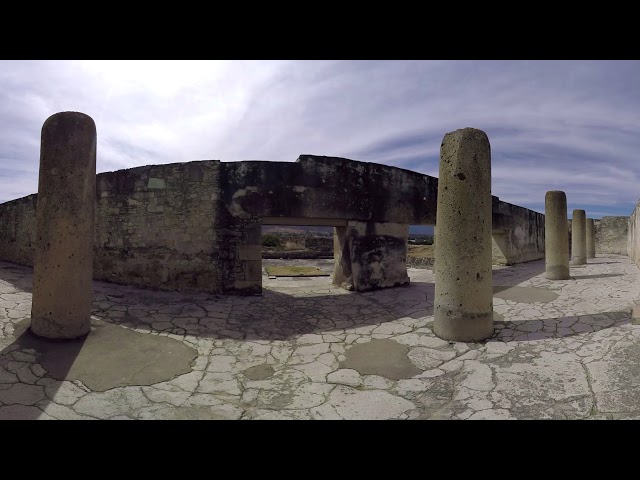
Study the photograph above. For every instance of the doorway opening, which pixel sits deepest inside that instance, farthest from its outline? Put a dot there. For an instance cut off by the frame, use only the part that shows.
(421, 246)
(298, 251)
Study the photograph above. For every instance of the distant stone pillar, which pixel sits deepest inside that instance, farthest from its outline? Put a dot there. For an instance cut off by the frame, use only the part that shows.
(433, 265)
(63, 257)
(591, 238)
(578, 238)
(463, 305)
(556, 236)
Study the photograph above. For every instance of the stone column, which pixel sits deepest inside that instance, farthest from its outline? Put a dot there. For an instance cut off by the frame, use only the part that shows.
(433, 265)
(578, 238)
(63, 256)
(556, 236)
(342, 275)
(591, 238)
(463, 304)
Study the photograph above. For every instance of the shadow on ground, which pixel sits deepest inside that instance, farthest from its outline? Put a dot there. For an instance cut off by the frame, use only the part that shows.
(560, 327)
(19, 360)
(602, 275)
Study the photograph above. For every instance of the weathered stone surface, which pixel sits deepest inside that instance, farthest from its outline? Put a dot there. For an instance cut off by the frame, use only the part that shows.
(578, 238)
(556, 238)
(22, 394)
(611, 235)
(63, 258)
(590, 238)
(351, 404)
(386, 358)
(571, 357)
(196, 226)
(463, 308)
(111, 356)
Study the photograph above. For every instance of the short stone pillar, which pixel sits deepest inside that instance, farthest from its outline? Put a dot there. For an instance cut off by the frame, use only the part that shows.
(63, 256)
(578, 238)
(556, 236)
(463, 304)
(591, 238)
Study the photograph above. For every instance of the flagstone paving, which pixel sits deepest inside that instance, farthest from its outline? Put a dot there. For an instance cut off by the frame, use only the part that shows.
(565, 349)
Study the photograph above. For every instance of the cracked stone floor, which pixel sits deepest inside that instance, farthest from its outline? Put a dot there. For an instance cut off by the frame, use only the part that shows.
(307, 350)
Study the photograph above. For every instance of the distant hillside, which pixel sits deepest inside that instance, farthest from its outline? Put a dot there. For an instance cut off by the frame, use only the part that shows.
(301, 229)
(423, 229)
(296, 229)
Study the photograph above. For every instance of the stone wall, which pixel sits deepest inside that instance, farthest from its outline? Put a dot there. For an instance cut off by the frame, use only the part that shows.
(611, 235)
(156, 226)
(335, 190)
(633, 235)
(197, 225)
(518, 234)
(17, 230)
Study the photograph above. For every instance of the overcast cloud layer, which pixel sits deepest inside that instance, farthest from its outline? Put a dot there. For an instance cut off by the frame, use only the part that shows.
(553, 125)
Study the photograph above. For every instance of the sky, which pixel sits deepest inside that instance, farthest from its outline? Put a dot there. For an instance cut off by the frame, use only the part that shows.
(552, 125)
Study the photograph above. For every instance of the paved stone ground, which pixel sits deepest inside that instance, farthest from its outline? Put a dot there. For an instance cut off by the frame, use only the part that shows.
(307, 350)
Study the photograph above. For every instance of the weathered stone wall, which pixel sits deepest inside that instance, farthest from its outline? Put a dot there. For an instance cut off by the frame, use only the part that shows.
(415, 262)
(313, 187)
(328, 188)
(157, 226)
(518, 233)
(611, 235)
(197, 225)
(633, 235)
(17, 230)
(370, 255)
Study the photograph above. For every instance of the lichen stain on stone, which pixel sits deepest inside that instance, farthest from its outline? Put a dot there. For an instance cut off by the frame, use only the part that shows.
(259, 372)
(386, 358)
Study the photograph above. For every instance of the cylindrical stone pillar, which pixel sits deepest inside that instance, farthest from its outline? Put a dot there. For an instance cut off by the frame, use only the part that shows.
(556, 236)
(591, 238)
(463, 304)
(578, 238)
(63, 257)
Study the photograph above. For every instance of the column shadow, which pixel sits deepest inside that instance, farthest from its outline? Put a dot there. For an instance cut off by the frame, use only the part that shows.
(32, 369)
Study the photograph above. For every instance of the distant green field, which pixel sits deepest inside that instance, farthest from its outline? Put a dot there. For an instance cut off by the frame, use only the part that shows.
(295, 272)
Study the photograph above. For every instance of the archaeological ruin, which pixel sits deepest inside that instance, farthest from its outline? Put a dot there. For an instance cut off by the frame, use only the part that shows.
(196, 226)
(522, 315)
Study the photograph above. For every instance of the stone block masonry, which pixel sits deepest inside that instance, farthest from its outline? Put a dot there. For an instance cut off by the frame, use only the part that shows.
(18, 230)
(157, 226)
(611, 235)
(196, 226)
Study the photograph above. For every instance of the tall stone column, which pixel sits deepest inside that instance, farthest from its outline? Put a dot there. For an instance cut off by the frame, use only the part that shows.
(578, 238)
(556, 236)
(63, 257)
(463, 305)
(591, 238)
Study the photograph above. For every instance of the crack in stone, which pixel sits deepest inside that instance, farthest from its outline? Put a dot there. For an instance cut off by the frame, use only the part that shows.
(594, 406)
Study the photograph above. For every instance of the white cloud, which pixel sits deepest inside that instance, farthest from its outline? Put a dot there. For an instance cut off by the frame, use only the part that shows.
(552, 125)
